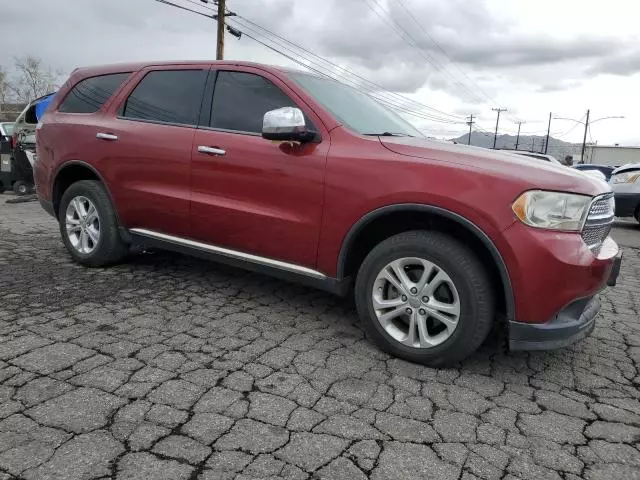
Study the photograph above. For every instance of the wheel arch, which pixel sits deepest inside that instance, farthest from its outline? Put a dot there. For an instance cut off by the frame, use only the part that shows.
(74, 171)
(69, 173)
(384, 222)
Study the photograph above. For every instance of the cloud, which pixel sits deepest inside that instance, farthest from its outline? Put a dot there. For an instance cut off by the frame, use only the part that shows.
(625, 64)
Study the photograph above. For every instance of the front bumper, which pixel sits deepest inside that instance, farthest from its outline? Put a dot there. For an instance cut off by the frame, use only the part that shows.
(626, 203)
(570, 325)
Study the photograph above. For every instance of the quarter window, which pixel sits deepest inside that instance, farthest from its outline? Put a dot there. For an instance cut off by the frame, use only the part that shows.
(241, 99)
(89, 95)
(168, 96)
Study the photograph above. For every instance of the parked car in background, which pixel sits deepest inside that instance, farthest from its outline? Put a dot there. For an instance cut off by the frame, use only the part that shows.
(549, 158)
(305, 178)
(606, 170)
(625, 182)
(6, 129)
(539, 156)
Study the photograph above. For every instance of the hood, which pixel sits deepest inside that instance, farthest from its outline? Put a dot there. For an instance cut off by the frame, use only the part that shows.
(531, 173)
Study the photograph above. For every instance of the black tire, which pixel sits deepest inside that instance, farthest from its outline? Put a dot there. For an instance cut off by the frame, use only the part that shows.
(637, 214)
(476, 295)
(110, 248)
(21, 188)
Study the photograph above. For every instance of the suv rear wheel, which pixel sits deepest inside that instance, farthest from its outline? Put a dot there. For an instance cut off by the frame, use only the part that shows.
(425, 297)
(89, 225)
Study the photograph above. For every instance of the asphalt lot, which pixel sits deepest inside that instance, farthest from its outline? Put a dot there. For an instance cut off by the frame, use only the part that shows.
(171, 368)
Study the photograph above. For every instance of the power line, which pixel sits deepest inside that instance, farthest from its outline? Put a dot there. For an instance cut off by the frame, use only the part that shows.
(372, 84)
(376, 90)
(387, 98)
(166, 2)
(315, 67)
(444, 52)
(408, 38)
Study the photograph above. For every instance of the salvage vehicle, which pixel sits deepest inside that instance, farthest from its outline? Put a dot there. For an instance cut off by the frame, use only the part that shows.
(302, 177)
(625, 182)
(6, 129)
(17, 172)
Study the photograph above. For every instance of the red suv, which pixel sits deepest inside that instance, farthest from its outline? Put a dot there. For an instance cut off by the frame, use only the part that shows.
(307, 179)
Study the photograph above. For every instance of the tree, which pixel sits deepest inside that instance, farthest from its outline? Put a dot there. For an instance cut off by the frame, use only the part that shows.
(33, 79)
(4, 88)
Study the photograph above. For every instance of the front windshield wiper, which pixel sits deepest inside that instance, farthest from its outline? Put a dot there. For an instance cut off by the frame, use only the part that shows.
(387, 134)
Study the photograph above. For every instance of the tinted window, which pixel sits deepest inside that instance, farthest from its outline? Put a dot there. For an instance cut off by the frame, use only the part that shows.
(240, 101)
(89, 95)
(171, 96)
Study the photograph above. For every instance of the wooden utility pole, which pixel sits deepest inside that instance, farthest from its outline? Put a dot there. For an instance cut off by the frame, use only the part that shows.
(546, 144)
(470, 123)
(584, 141)
(518, 137)
(495, 137)
(220, 42)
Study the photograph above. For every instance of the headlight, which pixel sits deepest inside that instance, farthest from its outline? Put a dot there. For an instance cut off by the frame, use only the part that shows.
(552, 210)
(630, 177)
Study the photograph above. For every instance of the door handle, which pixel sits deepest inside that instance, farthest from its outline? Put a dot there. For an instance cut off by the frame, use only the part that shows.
(107, 136)
(211, 150)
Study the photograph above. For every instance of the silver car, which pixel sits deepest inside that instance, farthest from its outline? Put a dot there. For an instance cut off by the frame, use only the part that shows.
(625, 183)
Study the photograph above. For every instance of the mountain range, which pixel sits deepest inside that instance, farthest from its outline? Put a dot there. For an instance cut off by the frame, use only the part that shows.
(534, 143)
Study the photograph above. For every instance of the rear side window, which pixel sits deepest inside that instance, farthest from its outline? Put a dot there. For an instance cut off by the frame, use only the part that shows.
(89, 95)
(168, 96)
(240, 101)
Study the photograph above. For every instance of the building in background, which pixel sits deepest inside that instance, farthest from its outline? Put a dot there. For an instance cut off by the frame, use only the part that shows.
(611, 155)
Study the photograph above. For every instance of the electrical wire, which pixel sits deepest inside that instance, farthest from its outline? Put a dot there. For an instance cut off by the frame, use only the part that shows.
(313, 66)
(444, 52)
(166, 2)
(374, 89)
(389, 98)
(411, 41)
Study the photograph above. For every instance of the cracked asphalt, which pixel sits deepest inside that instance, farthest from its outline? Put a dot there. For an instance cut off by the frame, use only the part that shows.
(168, 367)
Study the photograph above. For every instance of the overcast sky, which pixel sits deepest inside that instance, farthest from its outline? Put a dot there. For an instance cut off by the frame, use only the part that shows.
(457, 56)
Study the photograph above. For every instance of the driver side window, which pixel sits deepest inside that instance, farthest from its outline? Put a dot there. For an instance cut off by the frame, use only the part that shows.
(241, 99)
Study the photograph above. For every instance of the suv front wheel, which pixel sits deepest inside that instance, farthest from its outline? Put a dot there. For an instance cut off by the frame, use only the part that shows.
(89, 225)
(425, 297)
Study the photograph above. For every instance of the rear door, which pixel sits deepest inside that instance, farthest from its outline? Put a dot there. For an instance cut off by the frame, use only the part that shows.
(145, 145)
(250, 194)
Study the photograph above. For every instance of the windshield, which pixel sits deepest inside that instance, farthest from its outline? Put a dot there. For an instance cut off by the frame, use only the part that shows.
(355, 109)
(8, 128)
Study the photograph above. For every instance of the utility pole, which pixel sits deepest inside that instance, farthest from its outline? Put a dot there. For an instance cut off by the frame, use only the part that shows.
(533, 144)
(518, 137)
(584, 141)
(470, 123)
(220, 41)
(495, 137)
(546, 144)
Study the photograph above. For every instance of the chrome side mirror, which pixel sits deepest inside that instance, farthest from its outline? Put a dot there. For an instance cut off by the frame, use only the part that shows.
(286, 124)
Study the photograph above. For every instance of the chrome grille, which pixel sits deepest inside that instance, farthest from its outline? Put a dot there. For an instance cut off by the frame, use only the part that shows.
(599, 222)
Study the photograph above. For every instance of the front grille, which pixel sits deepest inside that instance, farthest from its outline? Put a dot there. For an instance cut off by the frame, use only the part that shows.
(599, 222)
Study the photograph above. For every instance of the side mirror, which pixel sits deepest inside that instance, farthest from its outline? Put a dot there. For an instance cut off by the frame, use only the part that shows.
(286, 125)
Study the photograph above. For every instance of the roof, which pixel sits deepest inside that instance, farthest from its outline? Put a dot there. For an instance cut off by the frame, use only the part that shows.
(135, 66)
(619, 147)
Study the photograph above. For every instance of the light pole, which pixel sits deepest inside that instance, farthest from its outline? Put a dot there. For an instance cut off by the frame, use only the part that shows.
(587, 124)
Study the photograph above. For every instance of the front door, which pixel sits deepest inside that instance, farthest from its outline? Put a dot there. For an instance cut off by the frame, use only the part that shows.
(249, 194)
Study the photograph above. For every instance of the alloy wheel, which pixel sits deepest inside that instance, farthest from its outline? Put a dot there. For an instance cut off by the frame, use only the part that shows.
(83, 224)
(416, 302)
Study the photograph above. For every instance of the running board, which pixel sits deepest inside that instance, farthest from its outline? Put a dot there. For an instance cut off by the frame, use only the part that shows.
(248, 261)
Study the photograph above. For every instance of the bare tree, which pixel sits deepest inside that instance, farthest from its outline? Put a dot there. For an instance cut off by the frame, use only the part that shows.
(33, 79)
(4, 89)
